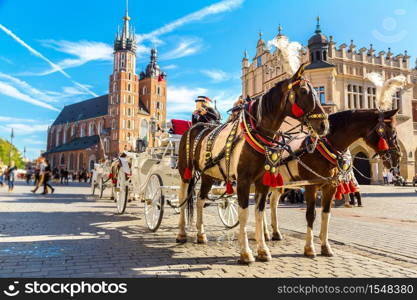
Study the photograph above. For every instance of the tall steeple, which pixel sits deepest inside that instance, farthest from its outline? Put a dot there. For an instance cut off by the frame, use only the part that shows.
(127, 39)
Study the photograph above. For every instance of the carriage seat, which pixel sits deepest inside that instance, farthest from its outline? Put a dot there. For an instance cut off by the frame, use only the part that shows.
(180, 126)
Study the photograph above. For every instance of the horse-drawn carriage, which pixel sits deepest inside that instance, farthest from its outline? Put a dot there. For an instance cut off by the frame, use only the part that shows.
(151, 177)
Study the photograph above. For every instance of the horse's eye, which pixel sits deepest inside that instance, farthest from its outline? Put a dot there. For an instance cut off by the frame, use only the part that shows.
(303, 91)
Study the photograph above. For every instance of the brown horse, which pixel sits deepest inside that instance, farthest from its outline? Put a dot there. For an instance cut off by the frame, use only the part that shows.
(375, 127)
(233, 156)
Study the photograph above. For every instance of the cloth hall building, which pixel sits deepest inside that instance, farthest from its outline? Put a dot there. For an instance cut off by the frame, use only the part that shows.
(338, 74)
(87, 131)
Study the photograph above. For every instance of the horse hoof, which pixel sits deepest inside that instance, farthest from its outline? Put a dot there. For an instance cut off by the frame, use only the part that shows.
(263, 256)
(202, 239)
(181, 239)
(309, 252)
(246, 258)
(327, 251)
(277, 236)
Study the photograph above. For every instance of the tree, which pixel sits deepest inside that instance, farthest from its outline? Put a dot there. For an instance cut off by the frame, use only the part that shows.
(5, 148)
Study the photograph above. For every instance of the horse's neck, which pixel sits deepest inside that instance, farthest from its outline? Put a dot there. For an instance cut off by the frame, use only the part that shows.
(273, 119)
(344, 136)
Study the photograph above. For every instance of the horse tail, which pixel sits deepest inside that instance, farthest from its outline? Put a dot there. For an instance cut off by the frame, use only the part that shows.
(190, 199)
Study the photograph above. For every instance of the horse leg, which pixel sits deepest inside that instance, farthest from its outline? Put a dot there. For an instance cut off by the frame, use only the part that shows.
(206, 184)
(276, 234)
(328, 193)
(182, 197)
(267, 235)
(262, 249)
(310, 196)
(243, 188)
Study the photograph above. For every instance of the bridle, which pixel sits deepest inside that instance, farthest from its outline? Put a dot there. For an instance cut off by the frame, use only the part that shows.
(298, 113)
(387, 144)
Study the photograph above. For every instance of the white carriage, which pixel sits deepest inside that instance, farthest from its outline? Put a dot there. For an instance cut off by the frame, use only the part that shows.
(152, 178)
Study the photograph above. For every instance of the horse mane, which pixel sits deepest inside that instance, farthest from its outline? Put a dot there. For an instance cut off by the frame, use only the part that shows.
(266, 101)
(342, 119)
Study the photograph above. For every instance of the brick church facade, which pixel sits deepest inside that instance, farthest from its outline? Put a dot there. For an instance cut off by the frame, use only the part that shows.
(88, 131)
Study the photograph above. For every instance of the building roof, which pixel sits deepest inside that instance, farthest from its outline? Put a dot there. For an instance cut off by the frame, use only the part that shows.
(77, 144)
(319, 64)
(83, 110)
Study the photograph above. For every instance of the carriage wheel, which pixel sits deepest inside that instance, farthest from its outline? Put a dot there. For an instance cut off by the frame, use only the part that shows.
(154, 202)
(228, 212)
(121, 192)
(101, 187)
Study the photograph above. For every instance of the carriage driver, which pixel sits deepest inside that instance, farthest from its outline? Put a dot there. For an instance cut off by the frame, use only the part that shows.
(204, 112)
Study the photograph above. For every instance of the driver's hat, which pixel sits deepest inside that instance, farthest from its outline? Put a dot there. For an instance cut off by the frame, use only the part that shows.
(204, 99)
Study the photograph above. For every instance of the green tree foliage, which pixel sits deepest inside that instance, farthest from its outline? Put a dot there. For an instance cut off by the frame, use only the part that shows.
(5, 147)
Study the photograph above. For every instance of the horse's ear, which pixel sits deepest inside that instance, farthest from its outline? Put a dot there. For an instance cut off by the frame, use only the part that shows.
(299, 73)
(389, 114)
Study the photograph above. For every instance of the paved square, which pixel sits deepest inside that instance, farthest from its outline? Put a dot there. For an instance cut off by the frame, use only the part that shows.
(71, 234)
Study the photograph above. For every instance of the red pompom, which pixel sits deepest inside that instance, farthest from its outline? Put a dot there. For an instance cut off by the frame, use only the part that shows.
(279, 180)
(267, 178)
(340, 189)
(346, 188)
(296, 110)
(338, 196)
(110, 175)
(229, 188)
(352, 187)
(187, 174)
(274, 183)
(382, 144)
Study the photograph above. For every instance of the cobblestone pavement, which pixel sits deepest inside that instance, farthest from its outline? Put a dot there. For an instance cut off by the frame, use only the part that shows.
(70, 234)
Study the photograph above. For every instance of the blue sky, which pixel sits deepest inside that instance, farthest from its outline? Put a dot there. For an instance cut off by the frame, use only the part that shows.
(54, 53)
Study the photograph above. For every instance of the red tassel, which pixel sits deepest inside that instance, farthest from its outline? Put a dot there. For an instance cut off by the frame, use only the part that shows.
(279, 180)
(187, 174)
(340, 189)
(267, 178)
(352, 187)
(346, 188)
(296, 110)
(229, 188)
(382, 144)
(338, 196)
(110, 175)
(274, 183)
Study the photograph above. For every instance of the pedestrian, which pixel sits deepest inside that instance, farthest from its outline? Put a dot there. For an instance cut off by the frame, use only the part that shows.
(66, 174)
(1, 176)
(47, 177)
(357, 193)
(39, 176)
(29, 173)
(385, 176)
(11, 173)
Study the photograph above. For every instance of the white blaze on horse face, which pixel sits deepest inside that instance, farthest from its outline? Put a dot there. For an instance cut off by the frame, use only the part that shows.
(219, 145)
(324, 231)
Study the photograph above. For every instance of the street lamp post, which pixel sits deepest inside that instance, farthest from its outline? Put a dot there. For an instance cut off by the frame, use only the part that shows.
(11, 145)
(153, 129)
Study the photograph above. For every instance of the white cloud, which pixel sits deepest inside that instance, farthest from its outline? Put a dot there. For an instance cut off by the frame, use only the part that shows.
(84, 52)
(41, 56)
(169, 67)
(186, 47)
(216, 75)
(11, 91)
(24, 129)
(20, 84)
(217, 8)
(11, 119)
(5, 59)
(180, 101)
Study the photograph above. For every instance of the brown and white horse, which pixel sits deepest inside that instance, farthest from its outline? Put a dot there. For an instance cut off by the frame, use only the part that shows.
(376, 128)
(293, 97)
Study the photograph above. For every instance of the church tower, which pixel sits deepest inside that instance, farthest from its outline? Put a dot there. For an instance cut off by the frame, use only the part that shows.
(153, 89)
(123, 100)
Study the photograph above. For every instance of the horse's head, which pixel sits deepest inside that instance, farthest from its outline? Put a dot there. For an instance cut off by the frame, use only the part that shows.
(304, 105)
(383, 138)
